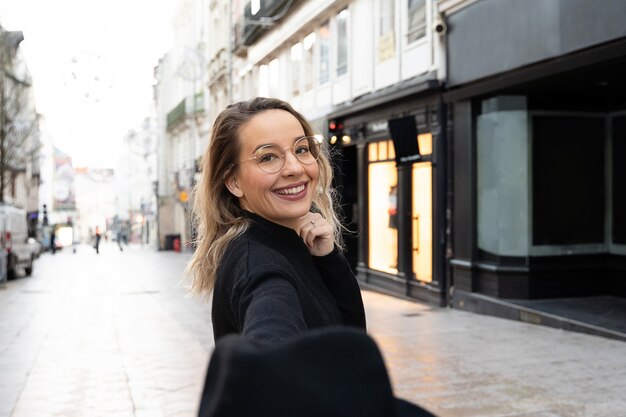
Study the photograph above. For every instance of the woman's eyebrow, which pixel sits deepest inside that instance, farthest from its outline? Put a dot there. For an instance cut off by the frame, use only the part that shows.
(263, 145)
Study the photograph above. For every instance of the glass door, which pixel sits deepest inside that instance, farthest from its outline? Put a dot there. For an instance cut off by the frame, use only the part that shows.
(422, 221)
(382, 207)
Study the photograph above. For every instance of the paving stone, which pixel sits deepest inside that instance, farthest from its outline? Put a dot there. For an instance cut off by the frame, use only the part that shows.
(115, 335)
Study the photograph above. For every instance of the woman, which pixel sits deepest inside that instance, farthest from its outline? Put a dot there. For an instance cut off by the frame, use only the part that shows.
(268, 237)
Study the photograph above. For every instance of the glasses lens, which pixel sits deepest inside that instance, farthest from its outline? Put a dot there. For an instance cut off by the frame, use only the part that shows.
(270, 158)
(307, 150)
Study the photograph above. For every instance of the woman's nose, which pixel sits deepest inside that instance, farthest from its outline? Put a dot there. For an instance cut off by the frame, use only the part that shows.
(292, 165)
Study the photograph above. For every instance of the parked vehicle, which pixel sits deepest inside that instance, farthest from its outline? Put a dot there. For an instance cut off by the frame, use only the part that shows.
(14, 239)
(35, 246)
(3, 265)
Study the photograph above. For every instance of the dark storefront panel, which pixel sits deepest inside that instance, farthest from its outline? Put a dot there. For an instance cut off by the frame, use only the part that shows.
(619, 180)
(568, 180)
(492, 37)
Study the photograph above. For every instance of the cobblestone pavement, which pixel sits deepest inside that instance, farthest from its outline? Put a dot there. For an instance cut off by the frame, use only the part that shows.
(114, 335)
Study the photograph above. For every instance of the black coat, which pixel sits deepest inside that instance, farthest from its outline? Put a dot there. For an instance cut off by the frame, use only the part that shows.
(269, 287)
(328, 372)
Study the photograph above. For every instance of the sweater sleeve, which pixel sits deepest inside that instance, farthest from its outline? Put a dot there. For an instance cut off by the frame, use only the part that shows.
(341, 282)
(268, 308)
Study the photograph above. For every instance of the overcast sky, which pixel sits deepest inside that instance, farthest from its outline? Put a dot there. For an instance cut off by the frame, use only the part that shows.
(92, 65)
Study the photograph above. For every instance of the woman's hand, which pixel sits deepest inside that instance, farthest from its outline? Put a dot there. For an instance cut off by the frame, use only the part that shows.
(317, 233)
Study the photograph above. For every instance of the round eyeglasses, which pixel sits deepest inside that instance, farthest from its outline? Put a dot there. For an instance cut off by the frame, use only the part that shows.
(271, 158)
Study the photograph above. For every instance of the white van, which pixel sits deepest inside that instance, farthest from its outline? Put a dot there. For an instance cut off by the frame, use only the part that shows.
(14, 239)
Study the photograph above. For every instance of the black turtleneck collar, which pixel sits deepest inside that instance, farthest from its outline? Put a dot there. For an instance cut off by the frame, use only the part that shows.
(281, 238)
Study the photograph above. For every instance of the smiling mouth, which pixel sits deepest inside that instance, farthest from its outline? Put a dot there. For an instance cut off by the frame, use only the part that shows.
(291, 191)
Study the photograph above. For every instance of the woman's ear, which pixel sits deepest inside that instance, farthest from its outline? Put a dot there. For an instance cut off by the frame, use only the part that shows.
(233, 186)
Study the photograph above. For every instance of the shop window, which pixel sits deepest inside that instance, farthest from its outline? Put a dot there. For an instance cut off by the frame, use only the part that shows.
(422, 222)
(382, 206)
(568, 180)
(502, 176)
(425, 142)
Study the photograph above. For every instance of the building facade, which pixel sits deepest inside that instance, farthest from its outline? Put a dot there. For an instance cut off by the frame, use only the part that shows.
(368, 74)
(538, 103)
(181, 98)
(19, 130)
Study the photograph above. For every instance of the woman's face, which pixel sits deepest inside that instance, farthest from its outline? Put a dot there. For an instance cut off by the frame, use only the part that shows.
(286, 195)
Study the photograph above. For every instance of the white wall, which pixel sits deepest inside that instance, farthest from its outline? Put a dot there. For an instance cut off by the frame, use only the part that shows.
(366, 73)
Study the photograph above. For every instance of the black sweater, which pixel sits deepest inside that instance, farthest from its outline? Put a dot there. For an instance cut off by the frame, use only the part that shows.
(270, 287)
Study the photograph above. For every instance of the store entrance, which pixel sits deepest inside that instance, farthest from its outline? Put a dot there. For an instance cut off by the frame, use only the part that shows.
(422, 220)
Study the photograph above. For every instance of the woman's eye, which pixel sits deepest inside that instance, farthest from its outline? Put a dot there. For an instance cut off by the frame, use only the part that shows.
(302, 150)
(267, 157)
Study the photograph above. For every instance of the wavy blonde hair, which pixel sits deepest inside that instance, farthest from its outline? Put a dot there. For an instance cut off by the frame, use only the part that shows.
(217, 214)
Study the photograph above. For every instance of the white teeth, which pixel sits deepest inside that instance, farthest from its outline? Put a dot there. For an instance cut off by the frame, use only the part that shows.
(294, 190)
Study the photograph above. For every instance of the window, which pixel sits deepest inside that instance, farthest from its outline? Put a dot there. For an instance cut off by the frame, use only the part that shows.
(342, 42)
(568, 180)
(309, 61)
(264, 81)
(382, 207)
(296, 59)
(274, 77)
(324, 45)
(416, 28)
(386, 44)
(502, 176)
(387, 17)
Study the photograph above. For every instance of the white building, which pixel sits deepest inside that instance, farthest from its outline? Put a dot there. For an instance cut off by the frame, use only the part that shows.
(20, 167)
(181, 101)
(135, 178)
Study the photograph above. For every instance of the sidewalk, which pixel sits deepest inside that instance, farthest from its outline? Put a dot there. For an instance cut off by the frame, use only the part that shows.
(456, 363)
(114, 335)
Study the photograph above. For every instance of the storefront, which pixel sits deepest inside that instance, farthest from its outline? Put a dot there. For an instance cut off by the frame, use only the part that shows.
(538, 145)
(390, 172)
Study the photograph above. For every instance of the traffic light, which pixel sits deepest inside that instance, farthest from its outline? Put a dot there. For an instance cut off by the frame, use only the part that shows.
(335, 131)
(45, 215)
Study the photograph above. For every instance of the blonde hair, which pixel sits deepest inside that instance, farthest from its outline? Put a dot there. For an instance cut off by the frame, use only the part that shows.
(217, 214)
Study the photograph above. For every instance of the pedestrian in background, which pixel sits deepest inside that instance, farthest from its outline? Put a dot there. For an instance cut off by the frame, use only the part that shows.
(121, 238)
(269, 240)
(96, 246)
(53, 241)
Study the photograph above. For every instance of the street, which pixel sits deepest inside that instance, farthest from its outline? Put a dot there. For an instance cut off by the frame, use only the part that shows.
(115, 335)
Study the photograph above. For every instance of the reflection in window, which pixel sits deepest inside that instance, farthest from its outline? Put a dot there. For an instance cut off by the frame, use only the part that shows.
(417, 20)
(274, 77)
(387, 17)
(342, 42)
(264, 81)
(324, 39)
(296, 58)
(309, 63)
(382, 206)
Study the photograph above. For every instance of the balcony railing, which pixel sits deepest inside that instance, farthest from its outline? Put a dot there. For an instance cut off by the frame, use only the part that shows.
(189, 106)
(251, 27)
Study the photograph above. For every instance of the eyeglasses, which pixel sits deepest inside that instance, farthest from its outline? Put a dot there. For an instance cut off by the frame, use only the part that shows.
(271, 158)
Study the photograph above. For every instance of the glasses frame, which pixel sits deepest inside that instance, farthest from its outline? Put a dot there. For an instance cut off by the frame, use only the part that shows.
(283, 157)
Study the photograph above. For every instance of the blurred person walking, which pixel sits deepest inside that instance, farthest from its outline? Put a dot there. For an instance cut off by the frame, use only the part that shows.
(98, 236)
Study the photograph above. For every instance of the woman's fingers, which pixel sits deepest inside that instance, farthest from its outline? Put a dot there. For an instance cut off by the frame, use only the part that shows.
(317, 234)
